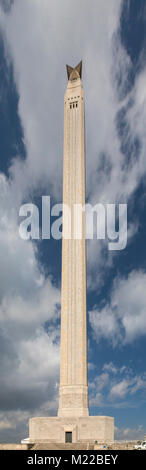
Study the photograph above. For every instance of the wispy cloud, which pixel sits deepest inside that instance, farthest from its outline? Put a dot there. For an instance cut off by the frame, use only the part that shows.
(122, 319)
(116, 387)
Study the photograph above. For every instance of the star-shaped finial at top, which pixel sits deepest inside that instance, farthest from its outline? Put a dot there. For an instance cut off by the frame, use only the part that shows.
(75, 72)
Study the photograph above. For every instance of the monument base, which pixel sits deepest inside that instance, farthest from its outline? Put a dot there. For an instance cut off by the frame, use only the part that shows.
(62, 430)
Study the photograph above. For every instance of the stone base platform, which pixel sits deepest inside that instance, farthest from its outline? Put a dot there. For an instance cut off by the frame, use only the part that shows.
(82, 429)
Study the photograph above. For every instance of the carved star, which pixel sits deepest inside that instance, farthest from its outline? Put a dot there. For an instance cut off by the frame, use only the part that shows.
(74, 71)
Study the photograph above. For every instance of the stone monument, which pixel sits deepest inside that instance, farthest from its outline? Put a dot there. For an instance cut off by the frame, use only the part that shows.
(73, 423)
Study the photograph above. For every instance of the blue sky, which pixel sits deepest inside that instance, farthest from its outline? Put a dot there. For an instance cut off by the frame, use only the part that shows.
(37, 39)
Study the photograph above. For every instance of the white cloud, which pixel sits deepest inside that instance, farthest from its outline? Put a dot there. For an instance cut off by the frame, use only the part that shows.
(123, 319)
(28, 299)
(129, 385)
(37, 66)
(128, 434)
(120, 389)
(110, 367)
(96, 387)
(41, 37)
(26, 296)
(96, 400)
(5, 423)
(104, 324)
(117, 387)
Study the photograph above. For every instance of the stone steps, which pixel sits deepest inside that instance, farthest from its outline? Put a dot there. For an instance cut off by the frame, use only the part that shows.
(57, 446)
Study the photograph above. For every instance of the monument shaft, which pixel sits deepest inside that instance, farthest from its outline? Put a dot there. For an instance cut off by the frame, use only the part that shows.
(73, 395)
(73, 423)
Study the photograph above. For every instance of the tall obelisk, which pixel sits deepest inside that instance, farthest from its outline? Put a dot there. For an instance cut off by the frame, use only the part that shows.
(73, 423)
(73, 394)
